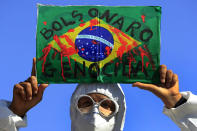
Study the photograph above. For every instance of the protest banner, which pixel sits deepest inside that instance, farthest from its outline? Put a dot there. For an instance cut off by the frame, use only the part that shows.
(107, 44)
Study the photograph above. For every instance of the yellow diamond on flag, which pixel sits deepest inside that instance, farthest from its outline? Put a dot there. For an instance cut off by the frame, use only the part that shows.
(116, 42)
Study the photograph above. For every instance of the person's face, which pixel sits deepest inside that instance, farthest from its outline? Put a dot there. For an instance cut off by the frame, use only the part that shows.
(106, 108)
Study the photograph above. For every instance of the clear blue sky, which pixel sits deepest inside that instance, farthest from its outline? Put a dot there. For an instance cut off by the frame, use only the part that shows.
(144, 110)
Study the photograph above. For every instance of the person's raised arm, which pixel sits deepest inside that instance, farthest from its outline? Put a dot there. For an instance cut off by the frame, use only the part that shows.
(27, 94)
(180, 107)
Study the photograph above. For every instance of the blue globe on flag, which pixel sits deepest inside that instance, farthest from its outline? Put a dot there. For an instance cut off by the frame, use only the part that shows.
(94, 43)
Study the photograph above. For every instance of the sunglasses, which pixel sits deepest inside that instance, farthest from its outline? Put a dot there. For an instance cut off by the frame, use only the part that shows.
(106, 107)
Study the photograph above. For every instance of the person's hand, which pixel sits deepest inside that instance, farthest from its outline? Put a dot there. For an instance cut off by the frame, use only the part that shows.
(27, 94)
(168, 91)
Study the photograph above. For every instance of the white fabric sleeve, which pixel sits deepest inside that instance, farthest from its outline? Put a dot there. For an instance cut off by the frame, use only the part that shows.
(8, 120)
(185, 115)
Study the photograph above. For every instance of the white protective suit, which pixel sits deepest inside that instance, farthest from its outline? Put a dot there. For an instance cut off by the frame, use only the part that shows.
(94, 121)
(8, 120)
(185, 115)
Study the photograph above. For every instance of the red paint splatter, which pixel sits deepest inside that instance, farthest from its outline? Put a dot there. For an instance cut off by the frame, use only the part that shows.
(121, 50)
(147, 54)
(93, 22)
(45, 52)
(129, 47)
(125, 47)
(94, 42)
(143, 18)
(130, 59)
(71, 30)
(54, 54)
(135, 43)
(150, 57)
(126, 36)
(147, 63)
(69, 41)
(135, 52)
(65, 51)
(82, 49)
(62, 67)
(45, 23)
(108, 50)
(82, 24)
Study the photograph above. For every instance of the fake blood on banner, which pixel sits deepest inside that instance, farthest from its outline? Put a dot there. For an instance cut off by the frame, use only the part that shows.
(107, 44)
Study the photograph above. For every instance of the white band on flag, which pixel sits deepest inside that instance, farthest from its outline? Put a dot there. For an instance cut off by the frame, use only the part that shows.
(96, 38)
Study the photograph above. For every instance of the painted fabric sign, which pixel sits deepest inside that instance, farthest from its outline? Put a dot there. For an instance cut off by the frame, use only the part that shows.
(107, 44)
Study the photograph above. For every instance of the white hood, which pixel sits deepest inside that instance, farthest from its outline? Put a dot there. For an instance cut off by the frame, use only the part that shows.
(113, 91)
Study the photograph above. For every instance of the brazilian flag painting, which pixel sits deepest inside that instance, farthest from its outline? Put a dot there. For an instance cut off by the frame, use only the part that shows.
(91, 44)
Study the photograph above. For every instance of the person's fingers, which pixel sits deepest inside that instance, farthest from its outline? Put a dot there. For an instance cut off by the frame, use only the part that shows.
(41, 89)
(163, 70)
(28, 89)
(149, 87)
(18, 89)
(174, 79)
(169, 75)
(34, 84)
(33, 72)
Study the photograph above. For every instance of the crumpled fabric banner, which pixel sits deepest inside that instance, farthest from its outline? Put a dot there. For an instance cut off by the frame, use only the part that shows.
(106, 44)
